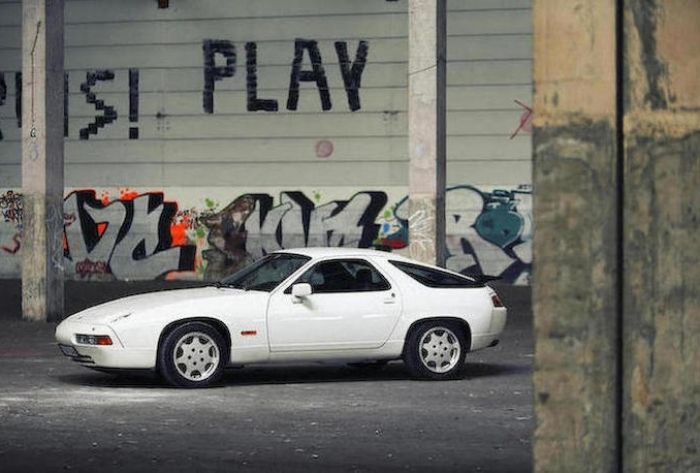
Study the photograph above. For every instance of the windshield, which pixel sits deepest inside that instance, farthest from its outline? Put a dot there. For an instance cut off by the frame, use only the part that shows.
(266, 273)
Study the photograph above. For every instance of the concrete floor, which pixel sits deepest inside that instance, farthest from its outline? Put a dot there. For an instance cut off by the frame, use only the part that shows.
(58, 416)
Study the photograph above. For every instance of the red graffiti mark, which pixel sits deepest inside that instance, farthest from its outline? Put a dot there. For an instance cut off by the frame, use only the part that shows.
(178, 232)
(18, 242)
(525, 120)
(104, 198)
(127, 194)
(101, 227)
(87, 267)
(182, 221)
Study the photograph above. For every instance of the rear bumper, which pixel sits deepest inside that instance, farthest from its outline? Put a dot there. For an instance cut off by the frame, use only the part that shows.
(499, 316)
(98, 356)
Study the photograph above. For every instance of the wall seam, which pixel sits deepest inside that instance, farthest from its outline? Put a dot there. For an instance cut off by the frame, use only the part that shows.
(620, 195)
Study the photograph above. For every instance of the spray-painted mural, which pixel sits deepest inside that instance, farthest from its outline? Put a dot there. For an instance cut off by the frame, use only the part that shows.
(126, 234)
(126, 238)
(252, 226)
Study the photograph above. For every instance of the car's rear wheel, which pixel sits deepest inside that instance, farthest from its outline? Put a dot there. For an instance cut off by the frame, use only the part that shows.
(436, 350)
(192, 355)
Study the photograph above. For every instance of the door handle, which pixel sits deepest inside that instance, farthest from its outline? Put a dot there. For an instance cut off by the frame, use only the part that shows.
(391, 299)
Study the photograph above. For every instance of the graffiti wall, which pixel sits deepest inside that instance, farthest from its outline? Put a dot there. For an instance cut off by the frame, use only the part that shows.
(129, 234)
(249, 126)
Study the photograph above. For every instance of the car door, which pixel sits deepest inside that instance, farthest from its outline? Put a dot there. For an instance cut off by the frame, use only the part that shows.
(352, 306)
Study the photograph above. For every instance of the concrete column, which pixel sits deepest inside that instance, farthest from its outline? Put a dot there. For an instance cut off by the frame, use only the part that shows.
(575, 299)
(661, 352)
(426, 129)
(42, 159)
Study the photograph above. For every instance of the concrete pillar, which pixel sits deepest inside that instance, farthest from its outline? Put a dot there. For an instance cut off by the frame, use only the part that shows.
(575, 297)
(42, 159)
(426, 129)
(661, 352)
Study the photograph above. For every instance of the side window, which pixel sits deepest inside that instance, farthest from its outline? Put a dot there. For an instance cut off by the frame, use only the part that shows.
(434, 278)
(348, 275)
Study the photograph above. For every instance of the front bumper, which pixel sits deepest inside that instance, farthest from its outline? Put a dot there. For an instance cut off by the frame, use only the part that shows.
(100, 356)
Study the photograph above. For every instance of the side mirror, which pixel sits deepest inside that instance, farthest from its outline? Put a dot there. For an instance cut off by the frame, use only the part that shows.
(301, 290)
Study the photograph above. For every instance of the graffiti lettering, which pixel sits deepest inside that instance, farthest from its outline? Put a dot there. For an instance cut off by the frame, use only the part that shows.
(133, 103)
(11, 207)
(109, 114)
(17, 243)
(212, 72)
(525, 122)
(88, 267)
(143, 236)
(487, 232)
(316, 74)
(352, 75)
(11, 211)
(251, 226)
(254, 103)
(131, 235)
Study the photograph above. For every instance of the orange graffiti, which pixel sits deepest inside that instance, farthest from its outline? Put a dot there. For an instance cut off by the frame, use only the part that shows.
(127, 194)
(178, 232)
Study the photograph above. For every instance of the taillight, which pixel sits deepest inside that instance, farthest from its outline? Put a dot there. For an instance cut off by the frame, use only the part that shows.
(93, 339)
(496, 301)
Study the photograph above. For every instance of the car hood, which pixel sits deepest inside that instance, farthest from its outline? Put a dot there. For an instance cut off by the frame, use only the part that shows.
(142, 303)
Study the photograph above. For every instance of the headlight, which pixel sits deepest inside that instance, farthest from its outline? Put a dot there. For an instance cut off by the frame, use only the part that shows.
(93, 339)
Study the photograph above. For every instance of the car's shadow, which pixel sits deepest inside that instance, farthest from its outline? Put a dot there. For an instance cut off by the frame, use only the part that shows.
(289, 374)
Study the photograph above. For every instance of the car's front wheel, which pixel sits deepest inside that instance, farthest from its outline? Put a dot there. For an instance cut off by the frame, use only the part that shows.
(435, 350)
(192, 355)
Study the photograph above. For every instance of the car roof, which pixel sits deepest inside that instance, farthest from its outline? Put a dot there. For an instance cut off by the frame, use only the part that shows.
(326, 251)
(321, 252)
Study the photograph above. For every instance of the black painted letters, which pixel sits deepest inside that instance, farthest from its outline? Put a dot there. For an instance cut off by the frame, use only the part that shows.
(316, 74)
(109, 114)
(254, 103)
(3, 94)
(212, 72)
(352, 75)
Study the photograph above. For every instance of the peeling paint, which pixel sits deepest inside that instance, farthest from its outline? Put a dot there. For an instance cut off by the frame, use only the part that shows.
(645, 13)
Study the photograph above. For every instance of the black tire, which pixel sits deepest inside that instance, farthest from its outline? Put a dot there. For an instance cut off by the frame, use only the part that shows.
(414, 352)
(171, 371)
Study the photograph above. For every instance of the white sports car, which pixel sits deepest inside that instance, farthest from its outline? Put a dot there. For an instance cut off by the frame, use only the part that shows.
(311, 304)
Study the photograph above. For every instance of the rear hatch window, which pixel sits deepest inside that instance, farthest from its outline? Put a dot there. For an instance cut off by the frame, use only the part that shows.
(432, 277)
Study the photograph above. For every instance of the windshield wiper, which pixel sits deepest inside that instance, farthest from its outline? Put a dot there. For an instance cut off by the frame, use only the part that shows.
(219, 285)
